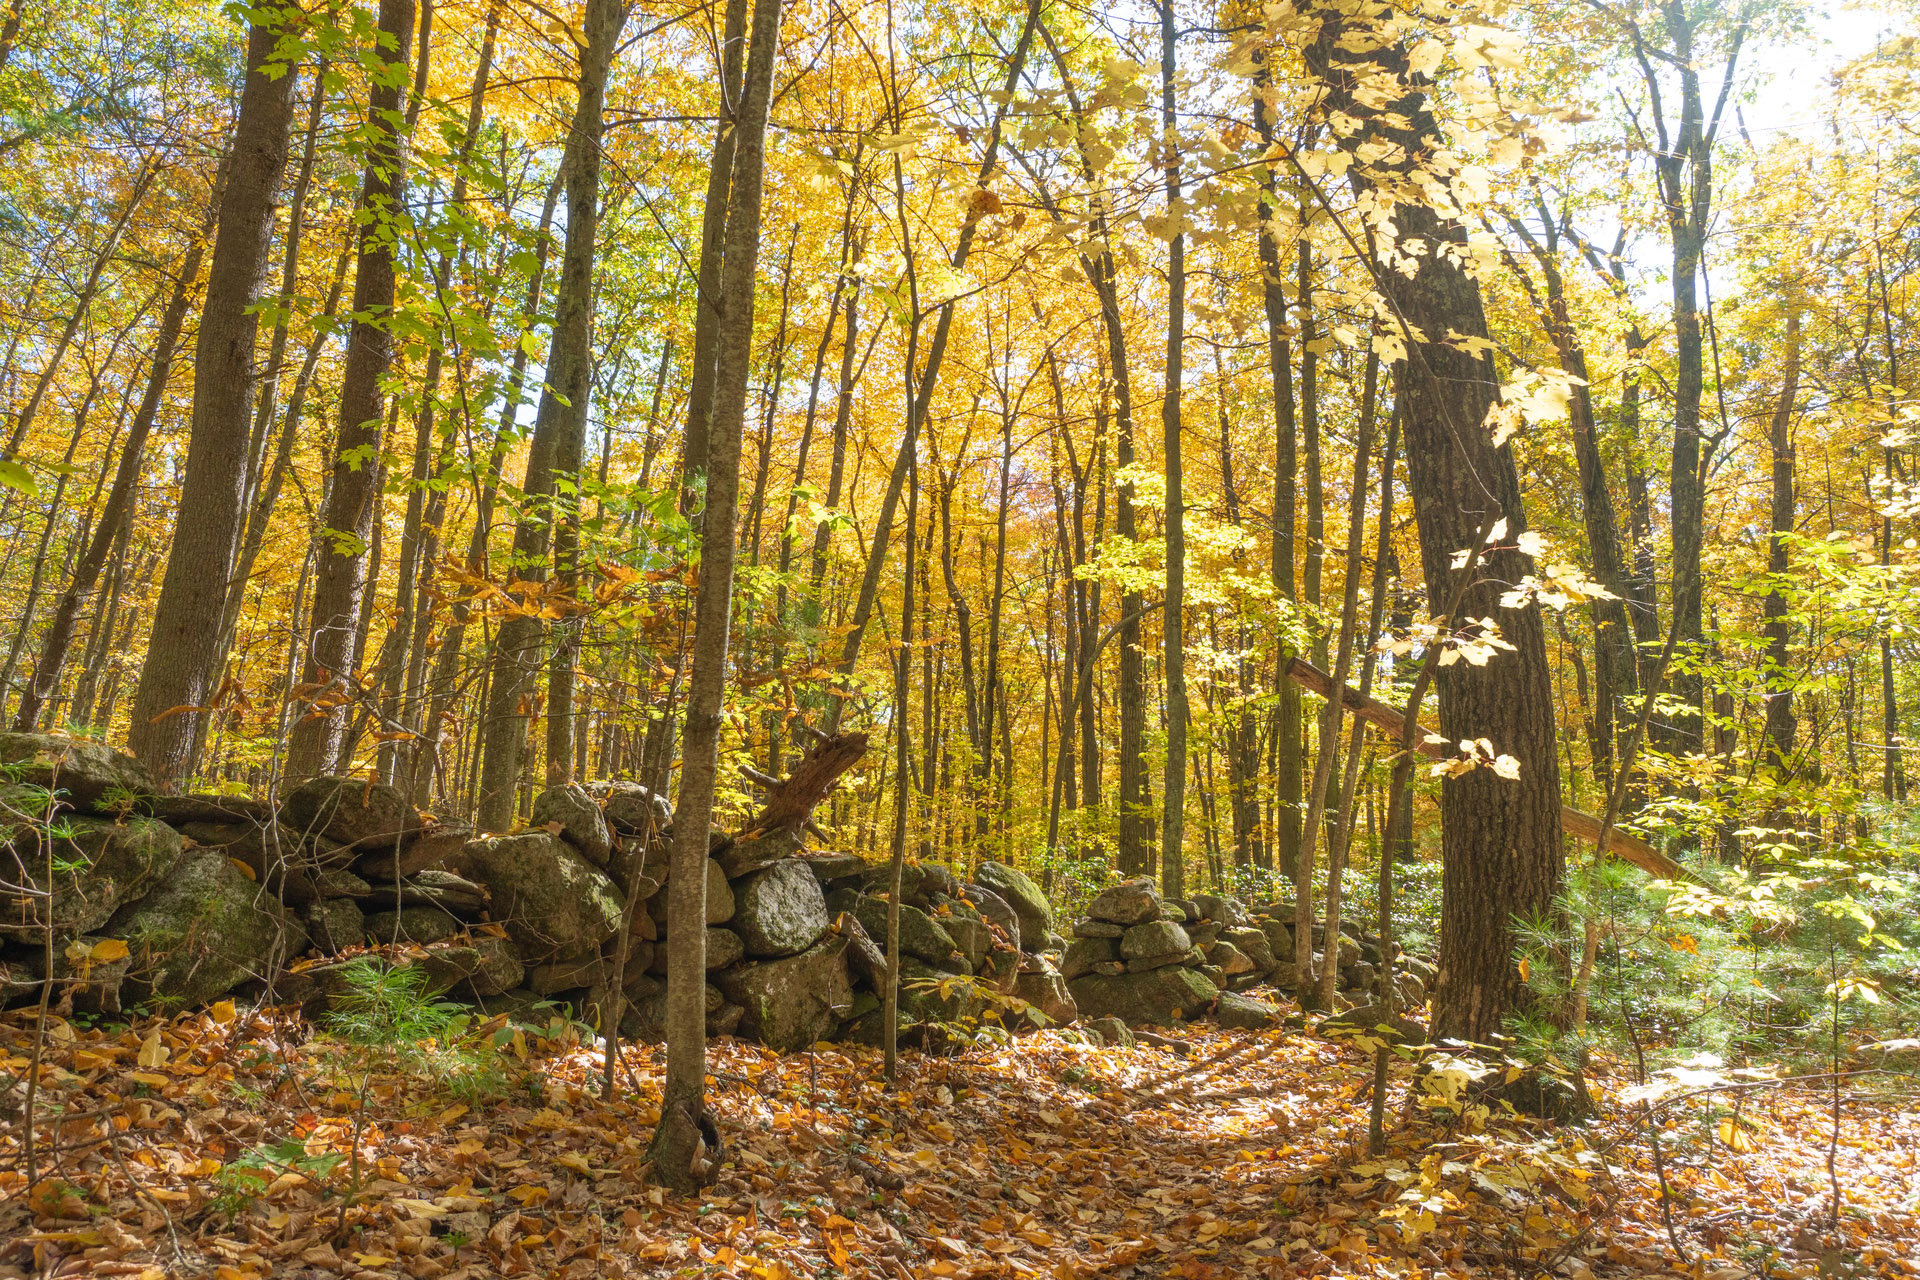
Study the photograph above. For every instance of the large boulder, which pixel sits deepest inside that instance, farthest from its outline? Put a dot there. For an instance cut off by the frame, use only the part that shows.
(435, 845)
(921, 935)
(1128, 903)
(99, 865)
(1047, 992)
(744, 857)
(554, 903)
(334, 924)
(792, 1002)
(1253, 944)
(570, 813)
(1220, 909)
(1084, 953)
(1023, 895)
(779, 910)
(420, 925)
(1244, 1013)
(1159, 997)
(203, 932)
(370, 816)
(273, 852)
(1154, 939)
(631, 808)
(87, 775)
(998, 912)
(1279, 939)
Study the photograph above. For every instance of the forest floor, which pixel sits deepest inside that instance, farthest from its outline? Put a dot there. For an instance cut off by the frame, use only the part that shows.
(201, 1145)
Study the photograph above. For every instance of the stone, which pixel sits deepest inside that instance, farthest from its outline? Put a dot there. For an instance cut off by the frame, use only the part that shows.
(920, 882)
(451, 893)
(1279, 939)
(1110, 968)
(338, 882)
(1374, 1021)
(1159, 998)
(929, 994)
(1357, 977)
(1047, 993)
(435, 845)
(367, 815)
(866, 960)
(1153, 939)
(633, 808)
(1253, 943)
(997, 912)
(1001, 969)
(1412, 991)
(1204, 934)
(1244, 1013)
(972, 937)
(1023, 895)
(1421, 969)
(744, 857)
(792, 1002)
(87, 974)
(1112, 1031)
(498, 970)
(1127, 903)
(830, 867)
(421, 925)
(1052, 942)
(567, 975)
(1097, 929)
(1285, 976)
(1146, 964)
(1220, 909)
(726, 1020)
(1230, 959)
(177, 811)
(724, 948)
(921, 936)
(86, 775)
(554, 903)
(334, 924)
(720, 900)
(98, 867)
(570, 813)
(779, 910)
(274, 853)
(203, 932)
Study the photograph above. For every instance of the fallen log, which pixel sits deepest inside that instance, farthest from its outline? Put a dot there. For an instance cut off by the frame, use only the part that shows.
(1628, 848)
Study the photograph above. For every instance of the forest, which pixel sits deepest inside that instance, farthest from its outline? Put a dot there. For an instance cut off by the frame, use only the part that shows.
(1288, 649)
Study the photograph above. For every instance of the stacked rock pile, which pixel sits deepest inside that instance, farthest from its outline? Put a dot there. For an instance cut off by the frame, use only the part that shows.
(1357, 956)
(1152, 962)
(175, 901)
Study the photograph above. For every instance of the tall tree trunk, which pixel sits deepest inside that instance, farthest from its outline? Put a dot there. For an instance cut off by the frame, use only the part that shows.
(684, 1120)
(559, 432)
(1500, 838)
(335, 634)
(1777, 610)
(710, 302)
(1286, 462)
(186, 649)
(1173, 824)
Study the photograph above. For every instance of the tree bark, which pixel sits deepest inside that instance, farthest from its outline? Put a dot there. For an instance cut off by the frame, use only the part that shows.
(676, 1156)
(1500, 842)
(186, 649)
(335, 632)
(1173, 824)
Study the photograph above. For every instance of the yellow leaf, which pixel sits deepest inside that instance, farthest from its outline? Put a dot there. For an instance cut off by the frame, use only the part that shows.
(108, 950)
(372, 1259)
(152, 1079)
(1735, 1135)
(452, 1113)
(222, 1013)
(530, 1195)
(243, 868)
(575, 1161)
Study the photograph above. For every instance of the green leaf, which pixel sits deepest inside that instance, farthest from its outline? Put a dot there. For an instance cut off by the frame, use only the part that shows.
(15, 476)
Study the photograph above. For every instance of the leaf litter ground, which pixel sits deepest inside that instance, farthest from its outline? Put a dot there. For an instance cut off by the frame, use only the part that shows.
(222, 1144)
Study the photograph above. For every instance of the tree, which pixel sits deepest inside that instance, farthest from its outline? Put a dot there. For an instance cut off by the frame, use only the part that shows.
(684, 1122)
(185, 648)
(1500, 838)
